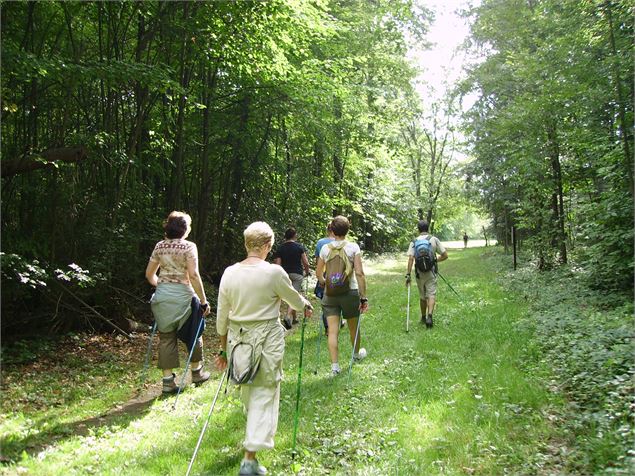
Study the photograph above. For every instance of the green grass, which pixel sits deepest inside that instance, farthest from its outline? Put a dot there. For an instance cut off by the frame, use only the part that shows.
(453, 400)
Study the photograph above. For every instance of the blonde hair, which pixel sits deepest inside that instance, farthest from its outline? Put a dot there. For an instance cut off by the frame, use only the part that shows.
(257, 236)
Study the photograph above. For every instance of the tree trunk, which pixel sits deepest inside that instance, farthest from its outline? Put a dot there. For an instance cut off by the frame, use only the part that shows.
(624, 127)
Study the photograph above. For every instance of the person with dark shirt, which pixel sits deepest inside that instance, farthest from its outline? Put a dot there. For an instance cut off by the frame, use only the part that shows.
(291, 255)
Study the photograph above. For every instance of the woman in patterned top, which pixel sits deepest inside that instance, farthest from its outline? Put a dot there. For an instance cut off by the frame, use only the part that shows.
(178, 282)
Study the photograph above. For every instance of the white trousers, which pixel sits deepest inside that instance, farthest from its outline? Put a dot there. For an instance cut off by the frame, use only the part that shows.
(262, 404)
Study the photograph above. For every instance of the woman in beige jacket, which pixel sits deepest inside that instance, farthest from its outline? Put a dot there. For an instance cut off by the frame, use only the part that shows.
(249, 300)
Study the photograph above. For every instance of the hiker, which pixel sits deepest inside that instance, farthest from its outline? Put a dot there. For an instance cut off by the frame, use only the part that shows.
(179, 295)
(291, 255)
(248, 307)
(465, 238)
(344, 288)
(319, 290)
(423, 251)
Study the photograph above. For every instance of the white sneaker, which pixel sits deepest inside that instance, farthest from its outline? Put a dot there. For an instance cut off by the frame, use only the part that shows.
(251, 468)
(361, 355)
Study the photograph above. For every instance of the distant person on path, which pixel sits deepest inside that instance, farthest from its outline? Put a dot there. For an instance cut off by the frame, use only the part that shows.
(249, 299)
(465, 238)
(179, 293)
(319, 290)
(423, 251)
(292, 256)
(340, 271)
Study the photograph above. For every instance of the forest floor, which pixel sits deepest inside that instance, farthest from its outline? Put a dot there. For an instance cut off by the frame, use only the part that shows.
(456, 399)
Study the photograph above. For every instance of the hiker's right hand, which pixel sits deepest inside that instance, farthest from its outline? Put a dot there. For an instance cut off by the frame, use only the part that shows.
(220, 361)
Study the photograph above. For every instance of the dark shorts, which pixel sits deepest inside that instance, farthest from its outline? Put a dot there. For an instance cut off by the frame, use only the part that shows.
(346, 306)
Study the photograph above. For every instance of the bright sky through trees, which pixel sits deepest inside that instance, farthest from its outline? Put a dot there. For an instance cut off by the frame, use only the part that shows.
(442, 63)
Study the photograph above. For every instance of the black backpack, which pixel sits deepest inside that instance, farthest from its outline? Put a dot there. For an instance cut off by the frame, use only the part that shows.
(425, 259)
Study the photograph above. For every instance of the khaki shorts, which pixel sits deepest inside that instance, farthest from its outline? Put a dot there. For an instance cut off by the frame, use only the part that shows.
(427, 284)
(296, 281)
(346, 305)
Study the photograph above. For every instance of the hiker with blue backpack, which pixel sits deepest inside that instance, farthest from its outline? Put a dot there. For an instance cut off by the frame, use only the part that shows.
(422, 253)
(340, 271)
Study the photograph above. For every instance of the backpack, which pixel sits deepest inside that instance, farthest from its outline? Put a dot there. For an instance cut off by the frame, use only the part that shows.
(425, 259)
(338, 270)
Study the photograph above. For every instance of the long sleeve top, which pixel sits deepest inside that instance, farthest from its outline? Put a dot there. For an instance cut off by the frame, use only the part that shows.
(253, 292)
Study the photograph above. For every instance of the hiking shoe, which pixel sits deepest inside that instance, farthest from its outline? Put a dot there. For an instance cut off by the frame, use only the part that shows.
(429, 322)
(169, 385)
(287, 323)
(361, 355)
(335, 372)
(199, 375)
(249, 467)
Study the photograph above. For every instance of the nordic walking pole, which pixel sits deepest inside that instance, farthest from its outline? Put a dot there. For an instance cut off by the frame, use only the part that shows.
(449, 285)
(319, 341)
(189, 358)
(350, 367)
(298, 387)
(200, 438)
(146, 363)
(408, 311)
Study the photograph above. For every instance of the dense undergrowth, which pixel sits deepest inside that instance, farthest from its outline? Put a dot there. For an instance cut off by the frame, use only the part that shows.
(587, 338)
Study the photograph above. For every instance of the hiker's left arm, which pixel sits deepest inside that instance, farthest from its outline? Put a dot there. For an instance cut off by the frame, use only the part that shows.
(305, 264)
(359, 273)
(195, 279)
(443, 254)
(288, 294)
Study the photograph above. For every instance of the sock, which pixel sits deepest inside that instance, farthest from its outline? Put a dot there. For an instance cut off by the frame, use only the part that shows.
(200, 367)
(335, 366)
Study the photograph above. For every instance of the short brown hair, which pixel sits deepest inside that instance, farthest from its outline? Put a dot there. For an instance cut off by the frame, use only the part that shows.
(177, 225)
(340, 225)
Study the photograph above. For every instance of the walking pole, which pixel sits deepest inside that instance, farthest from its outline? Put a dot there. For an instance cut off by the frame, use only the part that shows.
(298, 388)
(449, 285)
(148, 352)
(408, 311)
(319, 341)
(200, 438)
(187, 365)
(350, 367)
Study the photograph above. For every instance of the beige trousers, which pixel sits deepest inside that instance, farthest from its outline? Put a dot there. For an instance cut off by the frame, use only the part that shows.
(261, 398)
(169, 351)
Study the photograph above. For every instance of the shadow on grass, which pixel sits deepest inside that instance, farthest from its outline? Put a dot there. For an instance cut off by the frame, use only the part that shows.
(45, 436)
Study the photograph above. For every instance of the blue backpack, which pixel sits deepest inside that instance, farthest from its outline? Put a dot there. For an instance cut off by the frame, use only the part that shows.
(425, 259)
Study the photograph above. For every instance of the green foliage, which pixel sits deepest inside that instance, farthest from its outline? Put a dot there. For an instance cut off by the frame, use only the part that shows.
(552, 130)
(587, 336)
(231, 111)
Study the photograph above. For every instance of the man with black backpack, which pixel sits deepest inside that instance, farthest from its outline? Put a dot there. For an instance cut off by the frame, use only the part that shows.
(423, 253)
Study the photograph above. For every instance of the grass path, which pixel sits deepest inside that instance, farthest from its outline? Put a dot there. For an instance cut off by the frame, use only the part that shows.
(452, 400)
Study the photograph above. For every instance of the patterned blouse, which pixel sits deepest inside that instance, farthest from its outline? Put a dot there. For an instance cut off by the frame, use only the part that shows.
(173, 256)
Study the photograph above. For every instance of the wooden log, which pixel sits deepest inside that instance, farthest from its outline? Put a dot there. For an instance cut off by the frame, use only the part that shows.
(46, 159)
